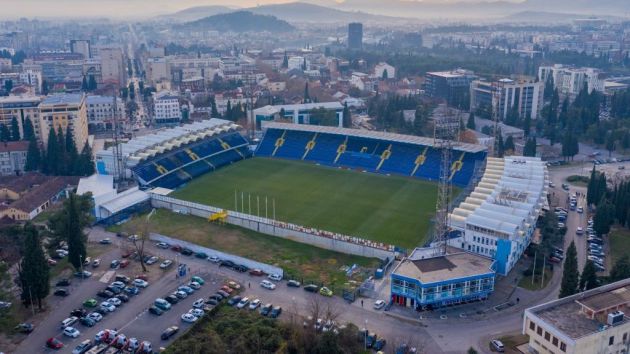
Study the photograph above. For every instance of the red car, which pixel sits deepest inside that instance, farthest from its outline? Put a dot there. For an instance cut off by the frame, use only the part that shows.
(176, 248)
(227, 289)
(126, 254)
(124, 263)
(54, 343)
(256, 272)
(142, 276)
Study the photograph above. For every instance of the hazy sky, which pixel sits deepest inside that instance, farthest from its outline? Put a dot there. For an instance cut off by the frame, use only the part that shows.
(127, 8)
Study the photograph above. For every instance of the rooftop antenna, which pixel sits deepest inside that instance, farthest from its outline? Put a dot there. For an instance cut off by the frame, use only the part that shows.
(445, 136)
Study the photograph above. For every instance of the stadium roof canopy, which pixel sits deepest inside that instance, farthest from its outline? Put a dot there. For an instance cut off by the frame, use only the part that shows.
(507, 199)
(372, 134)
(147, 146)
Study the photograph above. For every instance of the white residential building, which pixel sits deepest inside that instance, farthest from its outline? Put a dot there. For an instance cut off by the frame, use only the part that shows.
(157, 70)
(381, 68)
(32, 78)
(297, 63)
(593, 321)
(166, 108)
(503, 96)
(100, 111)
(499, 216)
(570, 80)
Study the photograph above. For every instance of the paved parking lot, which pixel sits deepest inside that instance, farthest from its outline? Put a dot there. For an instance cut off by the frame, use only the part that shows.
(133, 319)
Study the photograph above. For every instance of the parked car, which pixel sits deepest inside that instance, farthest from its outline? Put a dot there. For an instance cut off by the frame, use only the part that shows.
(187, 289)
(84, 274)
(108, 306)
(188, 317)
(82, 347)
(325, 291)
(162, 245)
(186, 251)
(114, 264)
(71, 332)
(131, 290)
(198, 303)
(63, 282)
(497, 345)
(124, 263)
(201, 255)
(162, 304)
(105, 294)
(234, 300)
(312, 288)
(275, 277)
(267, 284)
(152, 260)
(167, 263)
(379, 304)
(275, 312)
(54, 343)
(265, 310)
(61, 292)
(196, 312)
(293, 283)
(194, 285)
(96, 263)
(95, 316)
(197, 279)
(105, 241)
(87, 322)
(78, 312)
(24, 328)
(379, 344)
(214, 259)
(169, 332)
(172, 299)
(256, 272)
(140, 283)
(244, 302)
(254, 304)
(155, 311)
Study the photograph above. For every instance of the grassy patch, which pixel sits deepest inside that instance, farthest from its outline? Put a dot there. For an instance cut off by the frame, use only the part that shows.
(298, 260)
(619, 239)
(526, 281)
(580, 181)
(349, 202)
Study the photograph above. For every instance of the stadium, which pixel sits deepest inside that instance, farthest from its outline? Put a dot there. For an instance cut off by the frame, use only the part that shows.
(347, 181)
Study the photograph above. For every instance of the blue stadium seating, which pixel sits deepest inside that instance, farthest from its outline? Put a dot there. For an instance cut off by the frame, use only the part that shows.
(365, 154)
(179, 166)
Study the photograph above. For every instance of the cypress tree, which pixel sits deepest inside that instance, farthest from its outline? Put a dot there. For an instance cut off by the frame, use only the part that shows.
(74, 232)
(72, 154)
(588, 279)
(5, 134)
(347, 117)
(29, 132)
(51, 162)
(86, 160)
(84, 85)
(620, 270)
(63, 156)
(307, 96)
(570, 273)
(471, 121)
(33, 156)
(591, 189)
(34, 271)
(15, 130)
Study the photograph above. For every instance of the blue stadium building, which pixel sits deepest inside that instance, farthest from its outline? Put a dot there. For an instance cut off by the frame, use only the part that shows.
(369, 151)
(424, 280)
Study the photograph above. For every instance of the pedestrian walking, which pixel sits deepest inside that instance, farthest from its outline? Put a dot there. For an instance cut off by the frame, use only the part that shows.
(361, 303)
(249, 285)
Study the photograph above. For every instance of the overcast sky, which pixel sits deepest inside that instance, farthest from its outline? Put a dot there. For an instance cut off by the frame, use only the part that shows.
(127, 8)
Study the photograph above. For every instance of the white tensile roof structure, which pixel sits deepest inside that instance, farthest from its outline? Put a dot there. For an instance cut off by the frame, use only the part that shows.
(508, 198)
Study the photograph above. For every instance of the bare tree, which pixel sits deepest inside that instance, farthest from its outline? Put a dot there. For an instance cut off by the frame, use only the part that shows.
(142, 232)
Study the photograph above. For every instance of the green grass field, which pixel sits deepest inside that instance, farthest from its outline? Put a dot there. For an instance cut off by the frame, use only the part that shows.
(619, 243)
(389, 209)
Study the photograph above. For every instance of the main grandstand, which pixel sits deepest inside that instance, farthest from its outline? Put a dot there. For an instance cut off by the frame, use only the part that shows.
(369, 151)
(172, 157)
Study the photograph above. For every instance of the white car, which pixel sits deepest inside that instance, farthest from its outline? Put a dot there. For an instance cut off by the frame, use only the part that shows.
(214, 259)
(181, 294)
(71, 332)
(244, 301)
(275, 277)
(254, 304)
(162, 245)
(95, 316)
(194, 285)
(152, 260)
(114, 301)
(198, 303)
(379, 304)
(189, 317)
(140, 283)
(107, 306)
(267, 284)
(196, 312)
(579, 230)
(167, 263)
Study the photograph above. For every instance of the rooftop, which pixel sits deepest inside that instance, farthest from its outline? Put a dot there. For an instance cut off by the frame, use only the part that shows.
(63, 99)
(571, 315)
(42, 193)
(443, 268)
(97, 99)
(409, 139)
(19, 99)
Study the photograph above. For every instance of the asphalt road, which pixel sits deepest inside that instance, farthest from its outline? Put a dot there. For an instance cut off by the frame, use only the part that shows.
(133, 320)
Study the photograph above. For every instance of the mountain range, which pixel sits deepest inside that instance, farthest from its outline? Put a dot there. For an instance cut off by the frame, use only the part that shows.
(239, 21)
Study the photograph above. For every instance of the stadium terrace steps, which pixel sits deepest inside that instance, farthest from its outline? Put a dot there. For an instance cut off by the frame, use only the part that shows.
(366, 154)
(175, 168)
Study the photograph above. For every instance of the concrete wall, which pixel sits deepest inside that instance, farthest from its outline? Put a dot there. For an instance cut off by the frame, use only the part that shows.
(269, 269)
(271, 227)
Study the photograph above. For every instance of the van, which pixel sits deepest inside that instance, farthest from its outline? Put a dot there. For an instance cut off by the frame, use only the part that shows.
(69, 321)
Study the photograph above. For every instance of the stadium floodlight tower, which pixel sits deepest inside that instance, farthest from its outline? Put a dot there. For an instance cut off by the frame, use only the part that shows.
(119, 166)
(445, 136)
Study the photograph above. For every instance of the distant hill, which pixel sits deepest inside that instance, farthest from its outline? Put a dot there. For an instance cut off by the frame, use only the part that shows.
(305, 12)
(196, 13)
(240, 21)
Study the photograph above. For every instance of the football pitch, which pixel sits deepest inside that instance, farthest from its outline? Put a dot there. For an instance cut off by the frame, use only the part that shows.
(389, 209)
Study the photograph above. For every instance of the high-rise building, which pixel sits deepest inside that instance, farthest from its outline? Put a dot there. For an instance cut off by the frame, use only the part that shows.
(112, 67)
(100, 112)
(452, 86)
(63, 111)
(355, 35)
(157, 70)
(81, 46)
(166, 108)
(507, 95)
(20, 108)
(569, 81)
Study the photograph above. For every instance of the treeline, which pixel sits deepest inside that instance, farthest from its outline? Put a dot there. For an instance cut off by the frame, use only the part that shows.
(61, 157)
(389, 115)
(612, 205)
